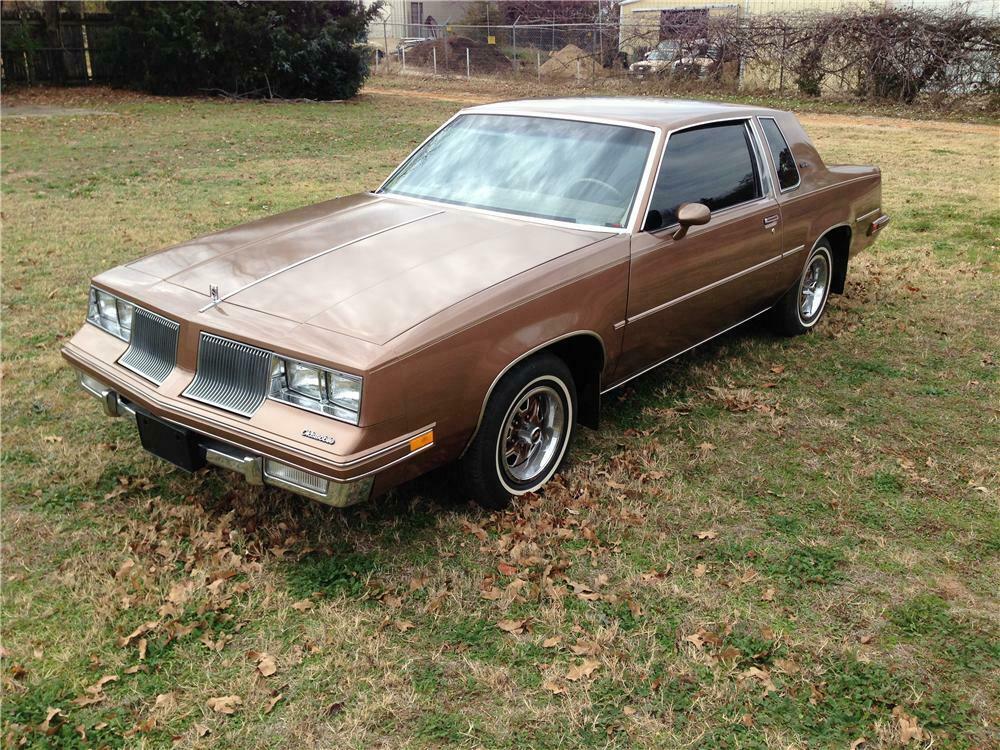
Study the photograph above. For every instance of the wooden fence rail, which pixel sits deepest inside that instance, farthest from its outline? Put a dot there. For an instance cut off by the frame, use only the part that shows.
(72, 53)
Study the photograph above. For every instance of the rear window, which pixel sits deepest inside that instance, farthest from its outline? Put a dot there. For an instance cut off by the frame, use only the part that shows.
(712, 164)
(784, 162)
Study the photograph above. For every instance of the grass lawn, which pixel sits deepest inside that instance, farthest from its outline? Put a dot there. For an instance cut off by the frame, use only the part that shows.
(771, 543)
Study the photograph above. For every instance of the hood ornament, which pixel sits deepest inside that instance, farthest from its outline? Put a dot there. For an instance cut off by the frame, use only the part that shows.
(213, 292)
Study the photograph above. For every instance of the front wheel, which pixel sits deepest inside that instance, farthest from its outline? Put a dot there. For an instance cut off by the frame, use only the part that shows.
(525, 432)
(803, 305)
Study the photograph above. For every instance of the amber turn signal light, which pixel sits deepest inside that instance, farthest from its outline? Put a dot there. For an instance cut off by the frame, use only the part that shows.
(422, 440)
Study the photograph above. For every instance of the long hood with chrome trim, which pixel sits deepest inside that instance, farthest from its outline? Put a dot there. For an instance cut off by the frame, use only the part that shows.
(368, 267)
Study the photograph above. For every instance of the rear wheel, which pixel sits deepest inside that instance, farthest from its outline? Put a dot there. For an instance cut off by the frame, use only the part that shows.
(525, 433)
(803, 305)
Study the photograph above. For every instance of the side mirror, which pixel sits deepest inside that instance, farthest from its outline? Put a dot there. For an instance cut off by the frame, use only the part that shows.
(654, 220)
(691, 215)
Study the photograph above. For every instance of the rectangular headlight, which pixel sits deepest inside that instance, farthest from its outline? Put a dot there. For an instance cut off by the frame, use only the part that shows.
(110, 313)
(331, 392)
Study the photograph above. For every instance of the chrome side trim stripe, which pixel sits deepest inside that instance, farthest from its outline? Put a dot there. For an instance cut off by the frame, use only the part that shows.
(320, 254)
(713, 285)
(865, 216)
(793, 251)
(620, 383)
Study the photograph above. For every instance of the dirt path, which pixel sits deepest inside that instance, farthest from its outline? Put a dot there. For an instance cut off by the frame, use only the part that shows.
(854, 121)
(441, 96)
(45, 110)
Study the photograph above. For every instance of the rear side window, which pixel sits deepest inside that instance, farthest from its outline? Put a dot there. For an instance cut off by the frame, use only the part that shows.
(712, 164)
(784, 162)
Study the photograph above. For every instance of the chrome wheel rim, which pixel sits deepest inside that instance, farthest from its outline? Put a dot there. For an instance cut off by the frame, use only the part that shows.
(812, 293)
(533, 434)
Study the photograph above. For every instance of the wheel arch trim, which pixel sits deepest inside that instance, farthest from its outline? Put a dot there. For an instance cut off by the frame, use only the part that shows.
(822, 235)
(520, 358)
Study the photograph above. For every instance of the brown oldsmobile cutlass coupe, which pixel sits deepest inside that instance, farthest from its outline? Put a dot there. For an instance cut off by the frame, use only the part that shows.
(527, 258)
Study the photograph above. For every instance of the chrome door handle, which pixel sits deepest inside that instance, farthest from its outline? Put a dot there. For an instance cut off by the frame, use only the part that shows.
(770, 222)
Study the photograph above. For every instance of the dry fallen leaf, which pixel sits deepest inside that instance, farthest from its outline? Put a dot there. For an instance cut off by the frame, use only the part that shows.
(763, 676)
(696, 639)
(768, 595)
(266, 665)
(552, 642)
(125, 568)
(88, 700)
(98, 686)
(303, 606)
(226, 704)
(272, 703)
(403, 625)
(585, 648)
(514, 627)
(141, 630)
(46, 726)
(909, 729)
(200, 730)
(700, 570)
(729, 653)
(859, 742)
(706, 535)
(581, 670)
(165, 701)
(554, 687)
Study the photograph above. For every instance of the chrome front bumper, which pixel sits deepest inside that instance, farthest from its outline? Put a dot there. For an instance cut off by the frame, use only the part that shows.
(256, 469)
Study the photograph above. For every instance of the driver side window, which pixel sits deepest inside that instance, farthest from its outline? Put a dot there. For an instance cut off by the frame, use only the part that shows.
(711, 164)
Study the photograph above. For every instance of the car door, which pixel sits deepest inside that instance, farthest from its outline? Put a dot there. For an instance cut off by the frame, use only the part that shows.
(684, 291)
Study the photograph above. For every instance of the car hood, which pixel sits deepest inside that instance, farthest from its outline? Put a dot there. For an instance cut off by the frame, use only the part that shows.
(367, 266)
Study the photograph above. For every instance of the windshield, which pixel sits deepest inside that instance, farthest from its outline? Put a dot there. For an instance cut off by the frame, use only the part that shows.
(664, 51)
(581, 172)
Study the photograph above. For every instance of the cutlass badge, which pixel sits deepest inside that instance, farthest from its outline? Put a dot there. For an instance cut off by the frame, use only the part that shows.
(317, 436)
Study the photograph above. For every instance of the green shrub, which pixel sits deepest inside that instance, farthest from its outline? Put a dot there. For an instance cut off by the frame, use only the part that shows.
(291, 50)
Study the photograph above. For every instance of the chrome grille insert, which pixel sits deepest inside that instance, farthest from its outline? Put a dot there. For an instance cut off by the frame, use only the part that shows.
(152, 351)
(231, 375)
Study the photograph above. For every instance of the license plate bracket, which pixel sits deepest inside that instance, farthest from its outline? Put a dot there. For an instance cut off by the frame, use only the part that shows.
(177, 445)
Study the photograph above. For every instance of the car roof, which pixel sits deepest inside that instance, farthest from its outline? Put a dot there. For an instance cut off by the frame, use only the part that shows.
(639, 110)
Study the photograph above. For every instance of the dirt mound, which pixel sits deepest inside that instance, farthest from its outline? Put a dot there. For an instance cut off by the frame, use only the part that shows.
(563, 64)
(483, 58)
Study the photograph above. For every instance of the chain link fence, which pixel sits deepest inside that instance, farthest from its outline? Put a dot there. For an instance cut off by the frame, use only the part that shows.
(901, 53)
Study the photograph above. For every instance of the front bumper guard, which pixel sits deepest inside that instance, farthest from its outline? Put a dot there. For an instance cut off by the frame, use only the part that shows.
(234, 458)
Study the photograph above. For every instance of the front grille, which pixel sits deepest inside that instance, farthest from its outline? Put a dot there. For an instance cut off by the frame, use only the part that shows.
(152, 351)
(231, 375)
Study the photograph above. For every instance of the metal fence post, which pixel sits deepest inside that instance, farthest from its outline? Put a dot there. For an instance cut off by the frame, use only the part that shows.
(513, 36)
(468, 67)
(538, 64)
(404, 58)
(434, 54)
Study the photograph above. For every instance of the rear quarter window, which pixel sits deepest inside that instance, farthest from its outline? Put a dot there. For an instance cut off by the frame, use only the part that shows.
(781, 154)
